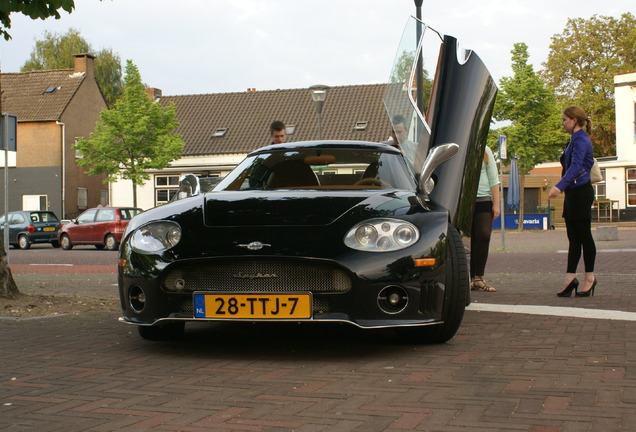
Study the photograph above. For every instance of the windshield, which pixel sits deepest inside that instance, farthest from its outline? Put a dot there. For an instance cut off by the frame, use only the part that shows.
(338, 169)
(43, 217)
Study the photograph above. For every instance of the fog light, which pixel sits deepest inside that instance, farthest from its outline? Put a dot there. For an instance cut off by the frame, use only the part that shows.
(136, 298)
(179, 284)
(393, 299)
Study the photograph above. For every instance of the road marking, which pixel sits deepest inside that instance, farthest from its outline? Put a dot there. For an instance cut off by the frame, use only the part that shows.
(67, 265)
(602, 250)
(555, 311)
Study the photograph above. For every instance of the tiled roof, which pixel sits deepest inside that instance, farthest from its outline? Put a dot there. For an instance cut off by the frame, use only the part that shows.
(247, 117)
(24, 94)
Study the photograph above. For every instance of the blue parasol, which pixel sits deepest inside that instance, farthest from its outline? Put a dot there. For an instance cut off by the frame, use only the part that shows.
(512, 200)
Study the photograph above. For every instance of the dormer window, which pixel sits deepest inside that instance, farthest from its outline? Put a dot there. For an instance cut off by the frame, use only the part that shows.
(361, 125)
(219, 132)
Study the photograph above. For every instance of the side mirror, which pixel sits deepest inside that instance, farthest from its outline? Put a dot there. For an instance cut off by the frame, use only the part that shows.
(189, 185)
(436, 156)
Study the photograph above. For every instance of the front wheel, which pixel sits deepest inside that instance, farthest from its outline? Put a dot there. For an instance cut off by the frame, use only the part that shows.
(455, 295)
(66, 242)
(23, 242)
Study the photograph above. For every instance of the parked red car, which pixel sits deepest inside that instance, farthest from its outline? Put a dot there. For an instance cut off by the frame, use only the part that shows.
(100, 226)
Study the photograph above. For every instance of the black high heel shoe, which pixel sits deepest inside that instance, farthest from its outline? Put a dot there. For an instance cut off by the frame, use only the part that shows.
(587, 293)
(567, 292)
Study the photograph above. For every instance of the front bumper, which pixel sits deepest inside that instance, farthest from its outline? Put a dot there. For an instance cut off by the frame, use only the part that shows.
(338, 293)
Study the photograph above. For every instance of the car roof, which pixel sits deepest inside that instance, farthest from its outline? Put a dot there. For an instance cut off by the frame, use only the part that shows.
(113, 208)
(31, 211)
(331, 144)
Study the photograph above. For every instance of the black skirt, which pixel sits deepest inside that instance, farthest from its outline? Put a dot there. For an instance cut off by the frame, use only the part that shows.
(578, 202)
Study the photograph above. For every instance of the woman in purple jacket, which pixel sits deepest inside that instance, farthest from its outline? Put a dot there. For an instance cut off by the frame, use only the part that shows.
(577, 160)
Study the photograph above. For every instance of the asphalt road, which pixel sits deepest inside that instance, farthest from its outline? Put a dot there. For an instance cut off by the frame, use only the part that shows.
(45, 259)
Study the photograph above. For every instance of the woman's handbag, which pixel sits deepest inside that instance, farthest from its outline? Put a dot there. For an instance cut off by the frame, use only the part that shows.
(595, 173)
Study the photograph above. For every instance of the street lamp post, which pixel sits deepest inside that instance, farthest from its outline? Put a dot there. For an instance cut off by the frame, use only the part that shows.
(318, 95)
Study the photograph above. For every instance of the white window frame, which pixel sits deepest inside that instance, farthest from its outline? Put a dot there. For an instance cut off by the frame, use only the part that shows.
(600, 185)
(171, 187)
(630, 182)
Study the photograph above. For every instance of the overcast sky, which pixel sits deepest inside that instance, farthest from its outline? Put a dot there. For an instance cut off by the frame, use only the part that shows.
(209, 46)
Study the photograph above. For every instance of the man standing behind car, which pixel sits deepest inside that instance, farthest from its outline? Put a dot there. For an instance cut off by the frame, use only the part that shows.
(277, 132)
(399, 134)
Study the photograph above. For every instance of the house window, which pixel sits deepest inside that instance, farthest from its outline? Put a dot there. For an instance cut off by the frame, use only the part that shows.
(103, 197)
(82, 198)
(78, 154)
(600, 188)
(219, 132)
(166, 187)
(167, 181)
(630, 177)
(361, 125)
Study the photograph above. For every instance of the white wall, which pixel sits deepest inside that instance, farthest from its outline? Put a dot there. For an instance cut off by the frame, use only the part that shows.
(121, 192)
(625, 98)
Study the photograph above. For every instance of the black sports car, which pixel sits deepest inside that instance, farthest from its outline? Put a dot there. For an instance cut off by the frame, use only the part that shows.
(352, 232)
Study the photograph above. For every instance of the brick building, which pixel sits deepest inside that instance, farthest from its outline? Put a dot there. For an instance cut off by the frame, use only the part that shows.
(53, 108)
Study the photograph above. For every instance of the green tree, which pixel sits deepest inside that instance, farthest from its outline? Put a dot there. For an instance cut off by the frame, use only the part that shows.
(533, 134)
(581, 65)
(35, 9)
(136, 135)
(55, 51)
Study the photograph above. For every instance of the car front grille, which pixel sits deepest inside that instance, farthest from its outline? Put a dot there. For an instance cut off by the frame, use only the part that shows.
(257, 276)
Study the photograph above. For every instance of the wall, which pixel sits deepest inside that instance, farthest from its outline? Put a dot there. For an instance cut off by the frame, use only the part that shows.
(625, 97)
(38, 157)
(121, 191)
(33, 181)
(79, 120)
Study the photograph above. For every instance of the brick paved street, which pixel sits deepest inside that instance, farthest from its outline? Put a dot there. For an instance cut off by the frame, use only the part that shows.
(504, 371)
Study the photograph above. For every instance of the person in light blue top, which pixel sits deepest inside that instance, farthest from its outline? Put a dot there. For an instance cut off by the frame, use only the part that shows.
(485, 212)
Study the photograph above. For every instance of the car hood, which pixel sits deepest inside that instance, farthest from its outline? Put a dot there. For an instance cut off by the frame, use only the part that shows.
(287, 208)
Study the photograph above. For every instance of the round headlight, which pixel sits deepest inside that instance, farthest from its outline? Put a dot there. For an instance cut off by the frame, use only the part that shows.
(155, 237)
(385, 243)
(366, 234)
(404, 234)
(174, 235)
(382, 235)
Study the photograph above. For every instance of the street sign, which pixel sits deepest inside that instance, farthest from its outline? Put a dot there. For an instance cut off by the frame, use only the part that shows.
(503, 143)
(11, 128)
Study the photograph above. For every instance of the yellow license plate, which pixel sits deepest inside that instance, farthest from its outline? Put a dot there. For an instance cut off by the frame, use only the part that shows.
(49, 228)
(252, 306)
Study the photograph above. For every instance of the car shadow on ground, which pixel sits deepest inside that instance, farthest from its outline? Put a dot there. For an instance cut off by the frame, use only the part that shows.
(299, 342)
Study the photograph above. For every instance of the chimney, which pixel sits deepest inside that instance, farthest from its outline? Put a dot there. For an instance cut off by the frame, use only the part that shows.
(84, 63)
(153, 93)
